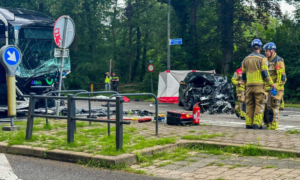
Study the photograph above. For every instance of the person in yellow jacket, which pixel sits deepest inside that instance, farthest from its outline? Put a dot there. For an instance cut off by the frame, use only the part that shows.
(255, 74)
(277, 73)
(107, 81)
(240, 92)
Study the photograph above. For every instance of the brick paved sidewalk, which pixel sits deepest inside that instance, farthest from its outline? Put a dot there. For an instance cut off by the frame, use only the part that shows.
(205, 166)
(236, 135)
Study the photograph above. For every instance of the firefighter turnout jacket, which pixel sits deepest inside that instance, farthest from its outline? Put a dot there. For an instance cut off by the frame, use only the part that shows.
(237, 76)
(255, 70)
(277, 72)
(255, 75)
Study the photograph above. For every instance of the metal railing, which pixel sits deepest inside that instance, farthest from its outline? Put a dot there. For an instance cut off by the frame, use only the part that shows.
(51, 92)
(135, 94)
(71, 117)
(89, 93)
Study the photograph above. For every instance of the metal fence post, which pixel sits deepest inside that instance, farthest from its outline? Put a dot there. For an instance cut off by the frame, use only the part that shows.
(119, 125)
(90, 114)
(108, 118)
(46, 108)
(71, 123)
(29, 116)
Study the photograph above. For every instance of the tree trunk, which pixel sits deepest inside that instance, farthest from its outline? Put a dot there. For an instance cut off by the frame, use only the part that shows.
(129, 14)
(226, 16)
(113, 32)
(194, 40)
(144, 58)
(138, 53)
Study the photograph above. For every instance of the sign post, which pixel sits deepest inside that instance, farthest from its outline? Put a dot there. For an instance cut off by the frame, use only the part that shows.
(151, 68)
(63, 33)
(10, 58)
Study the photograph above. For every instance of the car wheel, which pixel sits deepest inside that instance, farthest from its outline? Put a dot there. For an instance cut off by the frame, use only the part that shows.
(179, 102)
(188, 105)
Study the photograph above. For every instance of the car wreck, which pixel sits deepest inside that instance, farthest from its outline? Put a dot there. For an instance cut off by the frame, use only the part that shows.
(213, 92)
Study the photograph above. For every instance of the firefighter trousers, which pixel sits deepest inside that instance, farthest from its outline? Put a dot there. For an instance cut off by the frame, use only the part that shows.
(271, 117)
(256, 98)
(241, 108)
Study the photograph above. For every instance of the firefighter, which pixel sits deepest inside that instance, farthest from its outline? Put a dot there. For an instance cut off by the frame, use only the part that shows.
(240, 91)
(255, 74)
(277, 73)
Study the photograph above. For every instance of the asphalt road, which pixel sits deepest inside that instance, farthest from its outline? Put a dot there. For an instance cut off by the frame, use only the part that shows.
(288, 119)
(29, 168)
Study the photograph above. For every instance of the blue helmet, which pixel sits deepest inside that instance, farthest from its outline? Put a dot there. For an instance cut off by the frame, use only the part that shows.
(256, 42)
(269, 46)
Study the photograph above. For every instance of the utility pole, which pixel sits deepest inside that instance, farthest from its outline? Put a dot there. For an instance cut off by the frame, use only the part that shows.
(169, 33)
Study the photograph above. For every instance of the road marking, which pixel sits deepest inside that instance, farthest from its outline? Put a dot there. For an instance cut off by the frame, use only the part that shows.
(6, 172)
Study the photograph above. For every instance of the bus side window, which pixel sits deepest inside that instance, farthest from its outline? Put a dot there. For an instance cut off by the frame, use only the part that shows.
(2, 43)
(2, 34)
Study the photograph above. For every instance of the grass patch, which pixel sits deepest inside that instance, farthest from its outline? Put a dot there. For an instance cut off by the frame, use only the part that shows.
(293, 131)
(246, 150)
(215, 164)
(203, 124)
(201, 137)
(179, 154)
(191, 131)
(268, 167)
(103, 164)
(164, 164)
(292, 105)
(220, 164)
(90, 139)
(237, 165)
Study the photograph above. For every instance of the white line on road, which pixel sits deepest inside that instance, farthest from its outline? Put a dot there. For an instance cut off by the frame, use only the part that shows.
(6, 172)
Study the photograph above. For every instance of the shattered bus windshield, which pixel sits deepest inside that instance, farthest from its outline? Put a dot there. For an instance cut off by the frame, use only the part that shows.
(37, 47)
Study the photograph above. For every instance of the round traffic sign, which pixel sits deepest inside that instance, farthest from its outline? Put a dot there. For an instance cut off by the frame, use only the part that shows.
(64, 31)
(11, 56)
(150, 68)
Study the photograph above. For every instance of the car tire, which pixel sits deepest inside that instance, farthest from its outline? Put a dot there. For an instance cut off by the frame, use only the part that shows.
(179, 102)
(189, 105)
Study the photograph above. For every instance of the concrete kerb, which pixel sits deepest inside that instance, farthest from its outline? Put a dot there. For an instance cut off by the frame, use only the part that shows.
(128, 159)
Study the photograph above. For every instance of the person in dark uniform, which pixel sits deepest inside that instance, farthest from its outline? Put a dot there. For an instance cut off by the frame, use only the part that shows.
(115, 80)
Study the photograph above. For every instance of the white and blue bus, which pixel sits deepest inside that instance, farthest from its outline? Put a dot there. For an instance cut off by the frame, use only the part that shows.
(38, 72)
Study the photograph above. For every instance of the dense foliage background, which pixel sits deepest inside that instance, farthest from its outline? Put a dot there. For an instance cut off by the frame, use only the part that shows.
(216, 35)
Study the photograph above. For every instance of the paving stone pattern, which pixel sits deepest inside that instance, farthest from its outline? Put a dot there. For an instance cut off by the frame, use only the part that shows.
(205, 166)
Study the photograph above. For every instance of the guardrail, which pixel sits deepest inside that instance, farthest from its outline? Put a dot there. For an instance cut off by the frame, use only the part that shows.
(135, 94)
(63, 91)
(89, 93)
(71, 117)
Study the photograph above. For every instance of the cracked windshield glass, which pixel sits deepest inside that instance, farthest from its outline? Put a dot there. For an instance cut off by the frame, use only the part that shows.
(37, 47)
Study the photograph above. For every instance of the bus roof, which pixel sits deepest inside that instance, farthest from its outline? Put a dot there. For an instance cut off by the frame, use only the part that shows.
(24, 17)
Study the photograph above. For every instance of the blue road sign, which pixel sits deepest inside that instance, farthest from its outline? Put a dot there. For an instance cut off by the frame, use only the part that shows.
(175, 41)
(11, 56)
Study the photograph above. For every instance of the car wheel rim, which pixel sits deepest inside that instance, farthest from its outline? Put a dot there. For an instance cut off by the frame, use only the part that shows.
(187, 104)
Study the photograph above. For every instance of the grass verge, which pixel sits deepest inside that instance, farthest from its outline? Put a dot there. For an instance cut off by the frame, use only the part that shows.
(102, 164)
(201, 137)
(246, 150)
(88, 138)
